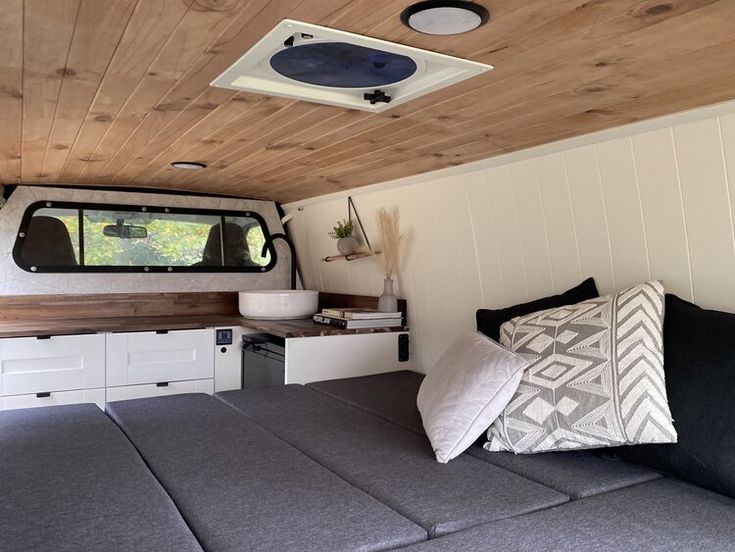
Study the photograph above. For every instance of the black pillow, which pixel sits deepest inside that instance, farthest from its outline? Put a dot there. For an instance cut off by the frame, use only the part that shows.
(489, 321)
(699, 366)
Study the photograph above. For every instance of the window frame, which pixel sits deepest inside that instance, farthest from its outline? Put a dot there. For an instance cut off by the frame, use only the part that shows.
(83, 269)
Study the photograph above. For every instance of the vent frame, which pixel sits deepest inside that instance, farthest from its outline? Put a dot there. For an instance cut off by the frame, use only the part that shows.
(252, 71)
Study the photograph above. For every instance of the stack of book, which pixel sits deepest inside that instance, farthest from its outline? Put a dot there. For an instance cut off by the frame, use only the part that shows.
(359, 318)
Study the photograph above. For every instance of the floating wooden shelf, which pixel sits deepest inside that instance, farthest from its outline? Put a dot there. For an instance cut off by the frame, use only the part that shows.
(360, 254)
(354, 256)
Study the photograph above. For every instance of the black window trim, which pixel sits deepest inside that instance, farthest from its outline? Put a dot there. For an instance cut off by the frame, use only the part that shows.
(83, 269)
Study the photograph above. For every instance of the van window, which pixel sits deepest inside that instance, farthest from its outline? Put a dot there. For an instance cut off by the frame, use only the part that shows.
(65, 237)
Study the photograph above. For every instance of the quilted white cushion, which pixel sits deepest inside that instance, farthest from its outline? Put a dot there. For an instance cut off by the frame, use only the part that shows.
(466, 391)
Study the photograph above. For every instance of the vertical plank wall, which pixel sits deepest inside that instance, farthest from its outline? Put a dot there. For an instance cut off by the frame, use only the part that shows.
(650, 200)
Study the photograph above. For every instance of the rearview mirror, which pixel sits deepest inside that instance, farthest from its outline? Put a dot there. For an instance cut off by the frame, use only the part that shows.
(125, 231)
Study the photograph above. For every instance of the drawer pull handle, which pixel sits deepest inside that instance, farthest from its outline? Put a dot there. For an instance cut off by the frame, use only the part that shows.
(43, 337)
(162, 384)
(161, 332)
(43, 395)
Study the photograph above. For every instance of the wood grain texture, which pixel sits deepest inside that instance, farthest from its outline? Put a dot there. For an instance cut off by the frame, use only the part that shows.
(112, 92)
(82, 307)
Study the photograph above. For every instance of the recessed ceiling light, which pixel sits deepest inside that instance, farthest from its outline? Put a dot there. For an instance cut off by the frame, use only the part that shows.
(445, 17)
(190, 165)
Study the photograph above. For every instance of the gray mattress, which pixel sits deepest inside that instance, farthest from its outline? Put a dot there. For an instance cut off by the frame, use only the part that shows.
(392, 396)
(390, 463)
(71, 481)
(241, 488)
(660, 516)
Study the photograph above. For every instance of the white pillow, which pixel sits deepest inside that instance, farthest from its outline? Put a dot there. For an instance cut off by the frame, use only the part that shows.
(466, 391)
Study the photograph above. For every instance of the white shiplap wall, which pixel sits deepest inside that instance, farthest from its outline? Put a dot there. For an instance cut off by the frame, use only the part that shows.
(650, 200)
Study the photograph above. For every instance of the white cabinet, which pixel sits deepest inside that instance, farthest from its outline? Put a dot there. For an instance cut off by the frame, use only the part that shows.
(126, 392)
(54, 398)
(29, 365)
(228, 361)
(342, 356)
(155, 357)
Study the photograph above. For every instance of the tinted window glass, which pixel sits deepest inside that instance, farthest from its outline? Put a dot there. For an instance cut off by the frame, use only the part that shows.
(113, 238)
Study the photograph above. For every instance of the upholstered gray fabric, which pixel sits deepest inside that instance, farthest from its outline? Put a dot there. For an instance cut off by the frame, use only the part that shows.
(391, 396)
(661, 516)
(71, 481)
(392, 464)
(241, 488)
(574, 473)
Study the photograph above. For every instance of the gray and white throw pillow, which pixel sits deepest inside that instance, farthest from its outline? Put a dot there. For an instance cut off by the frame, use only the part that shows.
(465, 391)
(595, 376)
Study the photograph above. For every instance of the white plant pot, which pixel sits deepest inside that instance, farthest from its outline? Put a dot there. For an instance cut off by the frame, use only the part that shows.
(348, 245)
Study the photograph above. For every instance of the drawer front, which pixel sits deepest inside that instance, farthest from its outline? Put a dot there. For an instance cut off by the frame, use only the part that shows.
(96, 396)
(149, 357)
(60, 363)
(126, 392)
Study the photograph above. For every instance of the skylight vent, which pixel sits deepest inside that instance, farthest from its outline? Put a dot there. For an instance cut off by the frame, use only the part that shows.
(317, 64)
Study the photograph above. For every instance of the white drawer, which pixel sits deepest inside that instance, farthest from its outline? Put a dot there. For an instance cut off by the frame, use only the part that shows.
(96, 396)
(150, 357)
(59, 363)
(157, 390)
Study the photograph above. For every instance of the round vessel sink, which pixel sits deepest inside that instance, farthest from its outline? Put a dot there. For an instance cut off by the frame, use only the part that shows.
(279, 304)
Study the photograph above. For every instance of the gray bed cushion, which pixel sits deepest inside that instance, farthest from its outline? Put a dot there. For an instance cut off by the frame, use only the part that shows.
(241, 488)
(665, 515)
(575, 473)
(71, 481)
(392, 396)
(392, 464)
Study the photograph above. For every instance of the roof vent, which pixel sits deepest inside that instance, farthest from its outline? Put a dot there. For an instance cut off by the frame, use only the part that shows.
(317, 64)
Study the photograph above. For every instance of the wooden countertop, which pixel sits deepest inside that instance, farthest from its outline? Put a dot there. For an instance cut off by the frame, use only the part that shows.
(280, 328)
(307, 328)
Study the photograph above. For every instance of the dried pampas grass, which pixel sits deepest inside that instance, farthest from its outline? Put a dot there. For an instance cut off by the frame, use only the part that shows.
(391, 238)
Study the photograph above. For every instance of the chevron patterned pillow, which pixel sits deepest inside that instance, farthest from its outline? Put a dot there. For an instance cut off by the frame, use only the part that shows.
(595, 376)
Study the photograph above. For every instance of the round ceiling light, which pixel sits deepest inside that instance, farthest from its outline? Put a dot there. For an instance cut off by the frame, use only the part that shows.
(445, 17)
(189, 165)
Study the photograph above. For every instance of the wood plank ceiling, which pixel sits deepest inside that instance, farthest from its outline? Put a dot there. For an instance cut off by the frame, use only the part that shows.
(110, 92)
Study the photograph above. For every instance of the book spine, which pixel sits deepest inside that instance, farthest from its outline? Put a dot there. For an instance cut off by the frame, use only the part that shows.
(332, 312)
(329, 321)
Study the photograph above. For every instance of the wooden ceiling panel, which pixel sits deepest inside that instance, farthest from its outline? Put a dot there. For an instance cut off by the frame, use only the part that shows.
(112, 92)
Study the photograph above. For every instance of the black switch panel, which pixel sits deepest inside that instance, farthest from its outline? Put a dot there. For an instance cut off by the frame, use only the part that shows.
(403, 349)
(224, 337)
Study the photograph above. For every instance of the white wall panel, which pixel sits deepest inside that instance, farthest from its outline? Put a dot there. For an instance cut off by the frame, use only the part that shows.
(663, 212)
(707, 211)
(623, 211)
(590, 218)
(532, 228)
(651, 200)
(562, 237)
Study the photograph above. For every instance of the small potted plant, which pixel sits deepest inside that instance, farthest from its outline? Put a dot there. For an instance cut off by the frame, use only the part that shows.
(347, 244)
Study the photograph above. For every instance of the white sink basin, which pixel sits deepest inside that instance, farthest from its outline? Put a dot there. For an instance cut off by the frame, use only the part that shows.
(279, 304)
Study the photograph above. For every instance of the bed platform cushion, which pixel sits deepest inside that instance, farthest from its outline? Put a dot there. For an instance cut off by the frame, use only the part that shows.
(394, 465)
(575, 473)
(241, 488)
(70, 480)
(392, 396)
(661, 516)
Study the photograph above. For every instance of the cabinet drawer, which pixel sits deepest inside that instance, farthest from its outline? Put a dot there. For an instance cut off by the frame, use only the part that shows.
(59, 363)
(149, 357)
(96, 396)
(156, 390)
